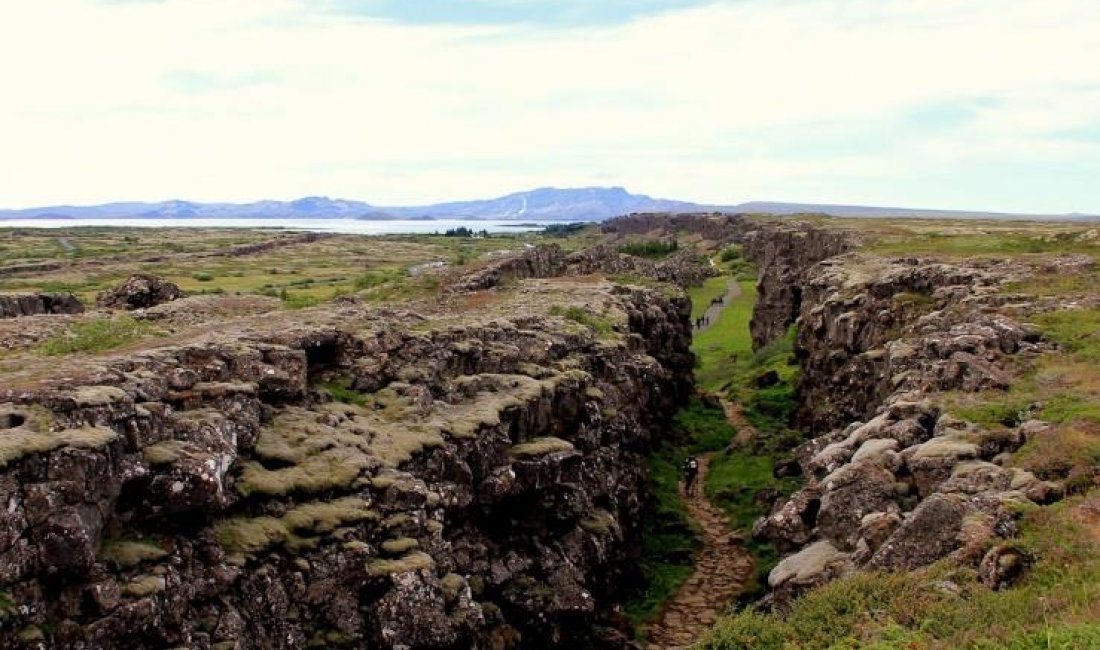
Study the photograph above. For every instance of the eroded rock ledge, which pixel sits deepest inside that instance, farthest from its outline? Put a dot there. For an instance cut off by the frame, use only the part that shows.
(478, 485)
(893, 481)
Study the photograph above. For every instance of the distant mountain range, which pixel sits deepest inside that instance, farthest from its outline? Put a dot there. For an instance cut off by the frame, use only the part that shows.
(544, 204)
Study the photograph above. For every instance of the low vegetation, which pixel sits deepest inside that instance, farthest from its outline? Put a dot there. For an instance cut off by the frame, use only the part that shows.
(651, 248)
(584, 317)
(96, 336)
(944, 607)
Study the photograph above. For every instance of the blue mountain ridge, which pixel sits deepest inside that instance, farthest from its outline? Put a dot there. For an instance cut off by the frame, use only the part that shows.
(542, 204)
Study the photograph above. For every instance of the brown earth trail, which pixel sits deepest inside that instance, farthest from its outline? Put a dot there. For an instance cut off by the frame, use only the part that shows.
(722, 568)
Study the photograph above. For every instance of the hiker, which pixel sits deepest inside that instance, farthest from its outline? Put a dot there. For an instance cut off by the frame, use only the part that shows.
(691, 472)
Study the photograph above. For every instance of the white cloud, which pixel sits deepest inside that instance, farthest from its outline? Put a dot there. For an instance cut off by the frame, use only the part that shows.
(208, 99)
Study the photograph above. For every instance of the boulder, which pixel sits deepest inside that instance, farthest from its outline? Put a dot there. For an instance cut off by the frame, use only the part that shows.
(850, 493)
(807, 567)
(927, 534)
(140, 291)
(1002, 566)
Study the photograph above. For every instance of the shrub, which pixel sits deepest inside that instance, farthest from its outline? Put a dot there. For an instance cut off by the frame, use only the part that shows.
(652, 249)
(202, 276)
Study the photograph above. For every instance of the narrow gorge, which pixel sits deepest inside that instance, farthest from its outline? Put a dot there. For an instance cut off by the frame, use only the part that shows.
(475, 465)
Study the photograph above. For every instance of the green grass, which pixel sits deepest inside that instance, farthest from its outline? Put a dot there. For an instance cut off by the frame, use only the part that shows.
(701, 295)
(724, 349)
(950, 244)
(1077, 331)
(340, 390)
(1054, 606)
(584, 317)
(96, 336)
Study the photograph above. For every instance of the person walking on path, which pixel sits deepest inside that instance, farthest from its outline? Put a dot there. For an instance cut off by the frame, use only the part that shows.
(691, 472)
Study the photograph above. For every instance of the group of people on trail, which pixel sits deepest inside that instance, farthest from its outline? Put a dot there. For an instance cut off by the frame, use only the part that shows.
(704, 320)
(691, 472)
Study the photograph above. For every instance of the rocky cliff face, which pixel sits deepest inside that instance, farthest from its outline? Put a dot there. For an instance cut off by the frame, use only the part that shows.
(783, 253)
(14, 305)
(892, 481)
(476, 485)
(549, 261)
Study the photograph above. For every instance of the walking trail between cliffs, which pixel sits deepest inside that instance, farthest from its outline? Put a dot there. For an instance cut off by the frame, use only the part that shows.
(722, 569)
(710, 317)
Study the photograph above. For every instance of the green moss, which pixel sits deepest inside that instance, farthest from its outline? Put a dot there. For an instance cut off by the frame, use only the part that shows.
(540, 447)
(416, 561)
(327, 639)
(144, 586)
(399, 546)
(327, 516)
(126, 554)
(653, 249)
(599, 522)
(19, 442)
(453, 586)
(297, 529)
(162, 453)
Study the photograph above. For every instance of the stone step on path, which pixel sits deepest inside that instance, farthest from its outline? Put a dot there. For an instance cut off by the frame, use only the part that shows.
(722, 569)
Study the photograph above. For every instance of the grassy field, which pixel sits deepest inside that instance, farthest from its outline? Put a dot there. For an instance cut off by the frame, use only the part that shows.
(195, 259)
(701, 296)
(726, 346)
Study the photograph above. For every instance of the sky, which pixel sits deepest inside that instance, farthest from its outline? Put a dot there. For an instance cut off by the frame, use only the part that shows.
(967, 104)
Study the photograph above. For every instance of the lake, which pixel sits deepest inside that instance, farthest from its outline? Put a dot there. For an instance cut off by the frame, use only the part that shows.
(348, 226)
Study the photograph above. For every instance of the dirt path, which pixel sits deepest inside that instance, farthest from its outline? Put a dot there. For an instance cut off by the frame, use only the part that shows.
(736, 416)
(710, 317)
(722, 568)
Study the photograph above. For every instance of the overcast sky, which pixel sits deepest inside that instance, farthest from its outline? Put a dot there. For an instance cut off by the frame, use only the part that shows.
(973, 104)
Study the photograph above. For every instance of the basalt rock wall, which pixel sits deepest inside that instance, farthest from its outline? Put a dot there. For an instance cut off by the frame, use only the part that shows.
(356, 481)
(14, 305)
(548, 261)
(892, 480)
(783, 253)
